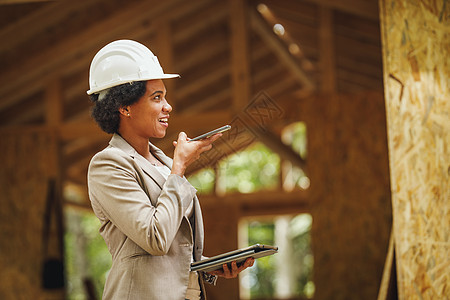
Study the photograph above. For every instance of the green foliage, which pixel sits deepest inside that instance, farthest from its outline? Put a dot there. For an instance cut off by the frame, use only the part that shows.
(299, 233)
(254, 169)
(261, 278)
(203, 181)
(295, 136)
(97, 253)
(264, 268)
(86, 254)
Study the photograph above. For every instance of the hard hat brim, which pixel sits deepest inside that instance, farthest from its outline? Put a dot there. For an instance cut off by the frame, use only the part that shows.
(116, 83)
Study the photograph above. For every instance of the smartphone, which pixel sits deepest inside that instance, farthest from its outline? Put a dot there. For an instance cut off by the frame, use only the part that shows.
(208, 134)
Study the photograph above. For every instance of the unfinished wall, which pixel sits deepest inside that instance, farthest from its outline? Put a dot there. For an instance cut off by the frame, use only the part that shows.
(28, 160)
(416, 58)
(221, 234)
(348, 168)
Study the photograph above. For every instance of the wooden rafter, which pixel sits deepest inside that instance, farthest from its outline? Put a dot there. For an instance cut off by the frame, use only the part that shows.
(274, 143)
(215, 12)
(365, 9)
(30, 71)
(25, 28)
(2, 2)
(240, 69)
(280, 50)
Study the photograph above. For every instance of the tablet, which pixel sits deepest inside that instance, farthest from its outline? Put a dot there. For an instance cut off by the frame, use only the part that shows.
(240, 255)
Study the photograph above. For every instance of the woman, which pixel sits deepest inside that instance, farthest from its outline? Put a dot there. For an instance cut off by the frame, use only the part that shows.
(149, 213)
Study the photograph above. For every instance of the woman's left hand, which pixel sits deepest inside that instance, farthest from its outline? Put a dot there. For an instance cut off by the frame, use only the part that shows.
(225, 272)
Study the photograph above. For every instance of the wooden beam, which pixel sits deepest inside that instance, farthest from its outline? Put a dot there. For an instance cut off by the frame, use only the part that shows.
(206, 79)
(85, 206)
(208, 103)
(206, 49)
(215, 12)
(282, 87)
(23, 1)
(302, 11)
(54, 102)
(358, 50)
(275, 209)
(365, 9)
(73, 130)
(77, 172)
(189, 122)
(263, 198)
(164, 51)
(16, 33)
(285, 152)
(80, 64)
(76, 150)
(240, 69)
(357, 28)
(26, 111)
(267, 74)
(280, 50)
(138, 33)
(326, 51)
(355, 77)
(82, 44)
(364, 68)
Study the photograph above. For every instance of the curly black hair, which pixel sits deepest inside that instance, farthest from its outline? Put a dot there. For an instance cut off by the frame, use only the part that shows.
(106, 110)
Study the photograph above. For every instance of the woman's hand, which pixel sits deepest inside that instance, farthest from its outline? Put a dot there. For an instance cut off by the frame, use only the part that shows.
(235, 270)
(187, 152)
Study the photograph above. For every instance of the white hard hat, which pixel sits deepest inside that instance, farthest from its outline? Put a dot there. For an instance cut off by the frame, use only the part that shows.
(123, 61)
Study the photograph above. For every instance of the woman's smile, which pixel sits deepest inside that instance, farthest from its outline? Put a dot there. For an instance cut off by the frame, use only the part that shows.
(164, 121)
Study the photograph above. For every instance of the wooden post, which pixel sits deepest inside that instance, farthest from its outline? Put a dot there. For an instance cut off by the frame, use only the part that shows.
(240, 69)
(165, 54)
(327, 60)
(54, 105)
(54, 118)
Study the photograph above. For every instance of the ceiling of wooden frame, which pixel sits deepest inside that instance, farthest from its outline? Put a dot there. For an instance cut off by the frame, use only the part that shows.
(227, 53)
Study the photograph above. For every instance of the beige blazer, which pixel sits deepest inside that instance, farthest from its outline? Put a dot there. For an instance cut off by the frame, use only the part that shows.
(143, 223)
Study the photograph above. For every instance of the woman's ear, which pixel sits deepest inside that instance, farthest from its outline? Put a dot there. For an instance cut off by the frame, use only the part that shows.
(124, 111)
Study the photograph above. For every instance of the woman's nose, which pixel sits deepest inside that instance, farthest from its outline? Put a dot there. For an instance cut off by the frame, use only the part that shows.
(167, 107)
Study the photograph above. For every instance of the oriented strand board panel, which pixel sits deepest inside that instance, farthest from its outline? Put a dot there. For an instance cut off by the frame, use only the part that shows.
(416, 57)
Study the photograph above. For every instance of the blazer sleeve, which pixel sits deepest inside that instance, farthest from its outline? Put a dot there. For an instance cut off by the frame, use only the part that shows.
(113, 185)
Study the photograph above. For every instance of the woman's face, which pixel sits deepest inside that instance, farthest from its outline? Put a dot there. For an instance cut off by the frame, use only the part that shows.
(149, 116)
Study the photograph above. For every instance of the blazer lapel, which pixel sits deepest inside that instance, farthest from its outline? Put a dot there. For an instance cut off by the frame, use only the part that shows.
(119, 142)
(198, 230)
(161, 156)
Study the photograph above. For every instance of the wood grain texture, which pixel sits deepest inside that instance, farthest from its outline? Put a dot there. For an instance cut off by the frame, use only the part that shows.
(416, 43)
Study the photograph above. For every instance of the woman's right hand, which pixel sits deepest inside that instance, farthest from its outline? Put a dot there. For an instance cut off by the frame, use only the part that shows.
(187, 152)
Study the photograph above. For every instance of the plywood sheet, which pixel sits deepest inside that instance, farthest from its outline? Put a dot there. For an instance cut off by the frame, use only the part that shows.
(416, 48)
